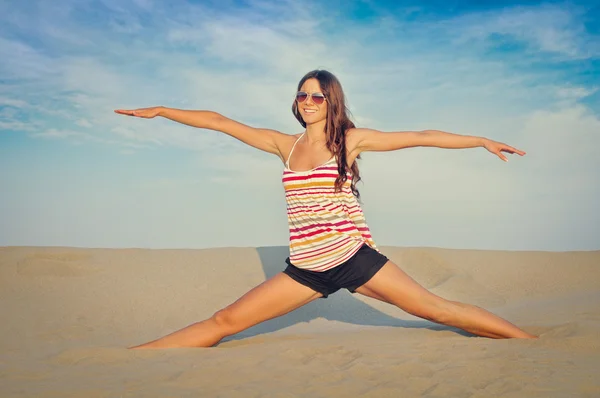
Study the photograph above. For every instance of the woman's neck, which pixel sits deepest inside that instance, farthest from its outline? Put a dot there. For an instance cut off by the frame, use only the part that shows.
(315, 133)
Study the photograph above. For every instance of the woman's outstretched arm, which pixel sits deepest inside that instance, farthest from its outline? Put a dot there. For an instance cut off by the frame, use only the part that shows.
(372, 140)
(264, 139)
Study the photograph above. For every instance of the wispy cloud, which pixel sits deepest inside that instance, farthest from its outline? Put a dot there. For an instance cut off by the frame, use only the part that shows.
(552, 28)
(62, 134)
(15, 103)
(225, 60)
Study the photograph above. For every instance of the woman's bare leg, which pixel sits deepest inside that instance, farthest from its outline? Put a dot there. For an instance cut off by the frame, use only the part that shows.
(394, 286)
(274, 297)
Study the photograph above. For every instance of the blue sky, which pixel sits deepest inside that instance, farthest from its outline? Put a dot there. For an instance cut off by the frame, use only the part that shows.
(72, 173)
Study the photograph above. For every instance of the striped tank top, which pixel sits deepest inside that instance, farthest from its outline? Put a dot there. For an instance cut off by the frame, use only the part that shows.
(326, 227)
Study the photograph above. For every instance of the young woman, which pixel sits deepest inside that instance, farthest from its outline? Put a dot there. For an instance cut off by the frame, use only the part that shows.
(330, 243)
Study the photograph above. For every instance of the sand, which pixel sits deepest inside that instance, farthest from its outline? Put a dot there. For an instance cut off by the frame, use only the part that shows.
(68, 314)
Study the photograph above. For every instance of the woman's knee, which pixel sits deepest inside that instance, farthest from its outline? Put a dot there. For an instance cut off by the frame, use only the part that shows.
(226, 321)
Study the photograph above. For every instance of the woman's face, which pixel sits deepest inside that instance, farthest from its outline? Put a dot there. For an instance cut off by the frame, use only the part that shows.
(312, 113)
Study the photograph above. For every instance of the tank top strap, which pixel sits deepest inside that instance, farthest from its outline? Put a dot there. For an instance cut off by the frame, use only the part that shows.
(287, 163)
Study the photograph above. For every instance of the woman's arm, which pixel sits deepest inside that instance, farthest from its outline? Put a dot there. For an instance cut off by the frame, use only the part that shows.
(263, 139)
(373, 140)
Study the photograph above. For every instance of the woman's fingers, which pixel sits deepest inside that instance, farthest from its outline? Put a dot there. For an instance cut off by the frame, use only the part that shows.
(124, 112)
(142, 112)
(497, 148)
(510, 149)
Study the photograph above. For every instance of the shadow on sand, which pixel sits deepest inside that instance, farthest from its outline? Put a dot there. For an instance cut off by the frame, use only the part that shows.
(340, 306)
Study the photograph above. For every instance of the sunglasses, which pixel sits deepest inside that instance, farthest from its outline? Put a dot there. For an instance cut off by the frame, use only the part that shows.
(317, 98)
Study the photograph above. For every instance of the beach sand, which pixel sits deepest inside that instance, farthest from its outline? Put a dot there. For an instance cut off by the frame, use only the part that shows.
(68, 314)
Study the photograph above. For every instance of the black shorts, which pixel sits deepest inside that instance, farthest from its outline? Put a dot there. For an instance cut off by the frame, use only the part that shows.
(351, 274)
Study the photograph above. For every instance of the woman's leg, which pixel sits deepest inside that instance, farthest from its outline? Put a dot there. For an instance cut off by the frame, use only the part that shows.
(394, 286)
(274, 297)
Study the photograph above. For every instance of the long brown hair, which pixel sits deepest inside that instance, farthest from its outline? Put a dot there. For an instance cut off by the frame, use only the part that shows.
(338, 123)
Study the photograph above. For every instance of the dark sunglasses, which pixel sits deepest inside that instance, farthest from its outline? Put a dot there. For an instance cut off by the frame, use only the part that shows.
(317, 98)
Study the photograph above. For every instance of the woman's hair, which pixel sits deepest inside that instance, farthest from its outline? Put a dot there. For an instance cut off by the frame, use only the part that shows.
(338, 123)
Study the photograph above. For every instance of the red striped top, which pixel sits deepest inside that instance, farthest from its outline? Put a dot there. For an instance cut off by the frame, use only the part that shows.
(326, 227)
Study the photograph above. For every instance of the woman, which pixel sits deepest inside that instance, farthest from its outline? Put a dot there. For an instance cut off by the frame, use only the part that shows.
(330, 243)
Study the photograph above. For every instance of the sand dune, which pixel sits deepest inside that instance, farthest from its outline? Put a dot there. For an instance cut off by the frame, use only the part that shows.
(68, 314)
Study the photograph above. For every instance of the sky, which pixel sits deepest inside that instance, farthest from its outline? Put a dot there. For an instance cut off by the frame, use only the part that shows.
(73, 173)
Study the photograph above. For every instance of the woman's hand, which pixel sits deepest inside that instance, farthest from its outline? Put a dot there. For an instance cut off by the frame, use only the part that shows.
(147, 113)
(497, 148)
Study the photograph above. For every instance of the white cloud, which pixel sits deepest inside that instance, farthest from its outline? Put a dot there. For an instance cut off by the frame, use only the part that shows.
(21, 61)
(61, 134)
(567, 138)
(573, 93)
(262, 62)
(17, 126)
(551, 28)
(15, 103)
(84, 123)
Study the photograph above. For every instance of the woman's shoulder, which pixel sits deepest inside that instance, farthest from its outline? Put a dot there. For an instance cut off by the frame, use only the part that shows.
(354, 136)
(285, 144)
(286, 138)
